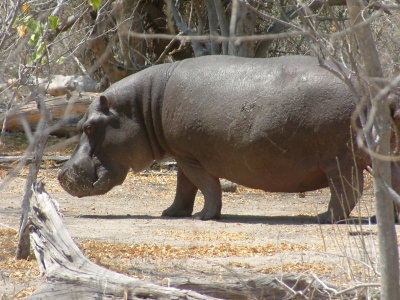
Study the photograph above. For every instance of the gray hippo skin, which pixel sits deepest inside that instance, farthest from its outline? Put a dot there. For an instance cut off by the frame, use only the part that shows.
(279, 124)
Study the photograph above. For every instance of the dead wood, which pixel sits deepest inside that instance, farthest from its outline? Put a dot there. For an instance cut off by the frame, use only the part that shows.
(68, 109)
(70, 274)
(272, 286)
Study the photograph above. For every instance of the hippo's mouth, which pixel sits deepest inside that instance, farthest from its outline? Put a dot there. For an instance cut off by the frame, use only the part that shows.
(90, 178)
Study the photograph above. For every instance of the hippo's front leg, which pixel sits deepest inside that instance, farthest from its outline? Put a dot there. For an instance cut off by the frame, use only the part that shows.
(184, 197)
(208, 185)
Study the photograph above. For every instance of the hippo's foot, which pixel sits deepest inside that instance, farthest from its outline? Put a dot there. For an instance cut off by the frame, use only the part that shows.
(207, 215)
(325, 218)
(173, 211)
(329, 218)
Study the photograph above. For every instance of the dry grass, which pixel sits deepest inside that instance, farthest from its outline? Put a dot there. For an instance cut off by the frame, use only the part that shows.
(16, 271)
(298, 268)
(95, 249)
(198, 235)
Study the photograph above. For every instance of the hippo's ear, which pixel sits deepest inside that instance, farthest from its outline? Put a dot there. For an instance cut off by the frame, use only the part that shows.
(104, 103)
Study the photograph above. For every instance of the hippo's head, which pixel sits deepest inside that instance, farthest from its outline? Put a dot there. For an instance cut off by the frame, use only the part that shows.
(111, 143)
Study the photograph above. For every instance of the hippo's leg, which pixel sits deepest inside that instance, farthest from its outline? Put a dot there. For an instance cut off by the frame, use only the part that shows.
(346, 186)
(184, 197)
(208, 185)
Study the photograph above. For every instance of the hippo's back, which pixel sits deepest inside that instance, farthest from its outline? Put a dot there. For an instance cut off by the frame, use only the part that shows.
(272, 123)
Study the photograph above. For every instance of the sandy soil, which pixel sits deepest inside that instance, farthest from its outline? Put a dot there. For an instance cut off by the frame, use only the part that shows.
(259, 233)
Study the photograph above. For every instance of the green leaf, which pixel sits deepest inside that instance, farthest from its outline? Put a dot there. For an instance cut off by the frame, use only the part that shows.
(39, 51)
(53, 21)
(60, 60)
(34, 38)
(95, 4)
(33, 25)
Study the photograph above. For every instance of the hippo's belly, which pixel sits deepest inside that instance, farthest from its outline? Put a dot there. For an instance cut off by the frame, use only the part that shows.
(272, 174)
(285, 182)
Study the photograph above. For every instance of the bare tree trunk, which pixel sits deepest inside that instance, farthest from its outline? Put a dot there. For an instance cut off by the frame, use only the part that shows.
(389, 257)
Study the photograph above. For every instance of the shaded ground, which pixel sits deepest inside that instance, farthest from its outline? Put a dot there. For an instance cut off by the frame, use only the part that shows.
(259, 233)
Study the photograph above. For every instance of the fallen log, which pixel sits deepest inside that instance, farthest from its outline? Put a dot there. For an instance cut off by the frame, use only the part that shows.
(65, 111)
(70, 275)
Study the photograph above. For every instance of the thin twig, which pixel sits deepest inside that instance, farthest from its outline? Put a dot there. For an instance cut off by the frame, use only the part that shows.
(170, 44)
(356, 287)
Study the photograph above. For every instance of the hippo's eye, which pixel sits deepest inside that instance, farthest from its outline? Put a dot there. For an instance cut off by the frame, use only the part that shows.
(88, 130)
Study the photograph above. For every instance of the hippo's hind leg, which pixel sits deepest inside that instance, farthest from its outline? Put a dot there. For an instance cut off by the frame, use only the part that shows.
(184, 197)
(346, 187)
(208, 185)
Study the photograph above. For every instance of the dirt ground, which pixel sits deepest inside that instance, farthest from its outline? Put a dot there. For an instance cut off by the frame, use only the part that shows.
(259, 233)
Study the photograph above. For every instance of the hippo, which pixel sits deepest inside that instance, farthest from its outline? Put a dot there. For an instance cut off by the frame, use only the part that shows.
(279, 124)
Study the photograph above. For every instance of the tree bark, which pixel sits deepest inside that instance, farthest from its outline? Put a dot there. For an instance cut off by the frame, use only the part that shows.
(378, 139)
